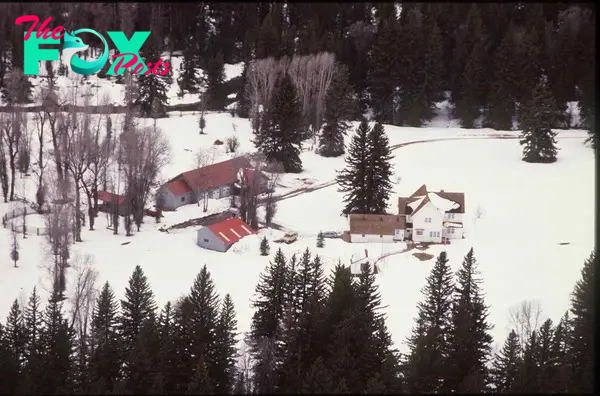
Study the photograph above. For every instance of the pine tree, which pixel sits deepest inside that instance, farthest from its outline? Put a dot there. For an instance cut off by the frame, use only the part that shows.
(470, 340)
(33, 347)
(537, 119)
(225, 348)
(268, 39)
(320, 240)
(151, 97)
(188, 80)
(506, 365)
(167, 356)
(582, 333)
(200, 383)
(265, 328)
(474, 86)
(264, 247)
(104, 364)
(429, 342)
(353, 178)
(202, 122)
(379, 170)
(318, 379)
(529, 372)
(338, 109)
(57, 341)
(14, 339)
(204, 310)
(14, 248)
(384, 72)
(280, 135)
(243, 104)
(137, 307)
(215, 77)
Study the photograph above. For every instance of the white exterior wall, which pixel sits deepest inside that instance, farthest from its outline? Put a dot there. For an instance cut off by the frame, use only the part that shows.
(418, 220)
(359, 238)
(172, 201)
(398, 235)
(457, 217)
(457, 234)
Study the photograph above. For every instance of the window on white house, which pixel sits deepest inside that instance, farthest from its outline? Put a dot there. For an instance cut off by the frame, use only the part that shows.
(363, 235)
(182, 199)
(451, 216)
(206, 240)
(419, 232)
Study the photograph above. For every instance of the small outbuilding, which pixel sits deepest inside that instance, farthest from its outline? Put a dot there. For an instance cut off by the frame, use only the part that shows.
(108, 202)
(221, 236)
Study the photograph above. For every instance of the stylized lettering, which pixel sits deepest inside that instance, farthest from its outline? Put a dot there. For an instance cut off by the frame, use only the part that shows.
(131, 46)
(166, 66)
(28, 18)
(121, 57)
(33, 53)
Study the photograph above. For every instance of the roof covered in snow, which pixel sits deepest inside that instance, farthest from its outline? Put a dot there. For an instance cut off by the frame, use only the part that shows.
(447, 202)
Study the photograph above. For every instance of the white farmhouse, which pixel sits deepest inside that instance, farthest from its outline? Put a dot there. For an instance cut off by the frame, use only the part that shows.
(425, 216)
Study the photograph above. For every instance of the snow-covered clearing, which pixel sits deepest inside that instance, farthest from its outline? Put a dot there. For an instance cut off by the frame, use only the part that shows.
(527, 211)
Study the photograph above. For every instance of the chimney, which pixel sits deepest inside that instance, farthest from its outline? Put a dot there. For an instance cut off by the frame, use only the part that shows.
(441, 190)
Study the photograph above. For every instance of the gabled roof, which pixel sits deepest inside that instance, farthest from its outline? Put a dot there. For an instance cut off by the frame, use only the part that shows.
(374, 224)
(178, 187)
(420, 192)
(110, 197)
(231, 230)
(215, 175)
(421, 197)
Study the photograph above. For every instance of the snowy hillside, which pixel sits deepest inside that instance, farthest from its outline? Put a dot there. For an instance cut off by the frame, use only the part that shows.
(528, 213)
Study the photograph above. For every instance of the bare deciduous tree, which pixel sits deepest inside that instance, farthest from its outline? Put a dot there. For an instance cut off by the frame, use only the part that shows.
(144, 152)
(261, 77)
(204, 157)
(525, 318)
(232, 144)
(12, 124)
(83, 293)
(3, 168)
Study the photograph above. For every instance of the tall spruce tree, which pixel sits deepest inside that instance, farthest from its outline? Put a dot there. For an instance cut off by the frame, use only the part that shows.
(353, 178)
(105, 360)
(582, 343)
(188, 80)
(470, 340)
(536, 120)
(33, 344)
(338, 109)
(474, 85)
(215, 78)
(379, 171)
(13, 342)
(225, 347)
(506, 365)
(429, 342)
(151, 97)
(243, 103)
(265, 330)
(280, 134)
(137, 307)
(384, 78)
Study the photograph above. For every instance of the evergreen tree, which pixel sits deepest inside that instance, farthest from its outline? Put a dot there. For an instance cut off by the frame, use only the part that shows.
(320, 240)
(264, 247)
(429, 342)
(280, 135)
(582, 333)
(33, 346)
(17, 89)
(265, 330)
(167, 357)
(215, 77)
(14, 248)
(200, 383)
(57, 341)
(151, 97)
(338, 109)
(506, 365)
(204, 311)
(529, 372)
(202, 122)
(137, 307)
(353, 178)
(268, 40)
(384, 72)
(379, 170)
(243, 104)
(225, 348)
(14, 343)
(104, 364)
(537, 118)
(188, 80)
(318, 379)
(470, 340)
(474, 86)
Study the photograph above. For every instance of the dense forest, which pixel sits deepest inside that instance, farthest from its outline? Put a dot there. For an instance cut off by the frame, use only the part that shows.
(309, 334)
(485, 58)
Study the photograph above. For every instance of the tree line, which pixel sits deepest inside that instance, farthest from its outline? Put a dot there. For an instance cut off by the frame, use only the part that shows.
(308, 334)
(401, 60)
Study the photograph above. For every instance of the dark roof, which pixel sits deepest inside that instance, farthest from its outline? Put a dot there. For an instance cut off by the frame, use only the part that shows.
(457, 197)
(403, 202)
(374, 224)
(231, 230)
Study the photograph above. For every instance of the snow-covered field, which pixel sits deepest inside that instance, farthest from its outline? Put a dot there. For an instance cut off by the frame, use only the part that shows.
(527, 211)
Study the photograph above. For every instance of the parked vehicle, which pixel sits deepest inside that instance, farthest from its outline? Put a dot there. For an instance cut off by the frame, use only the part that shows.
(290, 237)
(332, 234)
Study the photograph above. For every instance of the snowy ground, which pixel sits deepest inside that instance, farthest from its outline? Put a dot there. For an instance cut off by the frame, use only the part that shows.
(527, 211)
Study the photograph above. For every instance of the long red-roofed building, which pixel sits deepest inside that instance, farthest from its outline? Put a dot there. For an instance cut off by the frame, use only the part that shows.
(221, 236)
(217, 181)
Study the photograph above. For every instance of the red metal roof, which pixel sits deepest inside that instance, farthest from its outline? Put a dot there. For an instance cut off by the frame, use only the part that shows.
(110, 197)
(231, 230)
(178, 187)
(215, 175)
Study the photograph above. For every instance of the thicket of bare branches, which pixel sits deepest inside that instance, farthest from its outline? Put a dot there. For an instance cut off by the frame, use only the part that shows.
(311, 75)
(143, 151)
(83, 295)
(204, 157)
(525, 318)
(13, 125)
